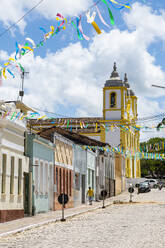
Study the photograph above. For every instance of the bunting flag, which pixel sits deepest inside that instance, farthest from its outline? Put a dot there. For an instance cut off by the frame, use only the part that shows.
(90, 19)
(101, 18)
(110, 13)
(30, 45)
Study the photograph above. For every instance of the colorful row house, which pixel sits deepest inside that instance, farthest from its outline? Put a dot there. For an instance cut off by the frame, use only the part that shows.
(41, 164)
(14, 167)
(36, 168)
(77, 168)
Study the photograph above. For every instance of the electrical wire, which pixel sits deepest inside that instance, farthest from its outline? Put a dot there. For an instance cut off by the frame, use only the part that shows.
(139, 120)
(14, 24)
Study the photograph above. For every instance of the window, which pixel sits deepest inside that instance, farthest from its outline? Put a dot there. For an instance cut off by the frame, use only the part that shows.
(57, 179)
(12, 176)
(67, 182)
(89, 177)
(46, 178)
(112, 100)
(19, 176)
(70, 179)
(60, 183)
(77, 181)
(64, 181)
(92, 179)
(36, 177)
(41, 177)
(4, 159)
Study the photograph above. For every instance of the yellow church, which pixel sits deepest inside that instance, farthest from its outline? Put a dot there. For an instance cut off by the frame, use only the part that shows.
(115, 127)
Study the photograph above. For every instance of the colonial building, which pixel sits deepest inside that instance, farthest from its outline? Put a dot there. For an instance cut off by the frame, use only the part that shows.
(41, 156)
(14, 166)
(78, 167)
(115, 127)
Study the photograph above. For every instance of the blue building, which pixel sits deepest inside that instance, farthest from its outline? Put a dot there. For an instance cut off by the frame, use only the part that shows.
(41, 163)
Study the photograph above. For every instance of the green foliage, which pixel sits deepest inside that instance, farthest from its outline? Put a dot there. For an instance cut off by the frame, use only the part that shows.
(155, 168)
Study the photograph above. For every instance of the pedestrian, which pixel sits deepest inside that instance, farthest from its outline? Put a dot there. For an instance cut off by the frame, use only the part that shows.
(90, 194)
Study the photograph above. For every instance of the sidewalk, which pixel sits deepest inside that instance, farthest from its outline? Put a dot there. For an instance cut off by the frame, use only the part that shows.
(27, 223)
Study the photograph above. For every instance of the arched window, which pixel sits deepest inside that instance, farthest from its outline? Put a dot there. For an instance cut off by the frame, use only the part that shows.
(112, 100)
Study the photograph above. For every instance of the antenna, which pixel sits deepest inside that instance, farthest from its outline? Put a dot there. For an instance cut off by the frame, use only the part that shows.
(21, 92)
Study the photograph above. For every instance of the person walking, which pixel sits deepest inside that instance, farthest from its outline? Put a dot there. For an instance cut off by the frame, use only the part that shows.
(90, 194)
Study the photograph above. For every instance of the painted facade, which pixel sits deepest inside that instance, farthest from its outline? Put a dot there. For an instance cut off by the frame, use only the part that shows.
(41, 156)
(121, 109)
(80, 175)
(14, 166)
(63, 174)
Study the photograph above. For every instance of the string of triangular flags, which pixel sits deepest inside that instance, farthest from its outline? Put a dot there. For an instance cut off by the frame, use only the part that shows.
(128, 153)
(13, 65)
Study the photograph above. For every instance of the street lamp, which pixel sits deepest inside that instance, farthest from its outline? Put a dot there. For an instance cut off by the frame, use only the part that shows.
(163, 121)
(158, 86)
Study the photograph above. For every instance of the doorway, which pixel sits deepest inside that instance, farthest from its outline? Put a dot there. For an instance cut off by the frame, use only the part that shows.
(83, 188)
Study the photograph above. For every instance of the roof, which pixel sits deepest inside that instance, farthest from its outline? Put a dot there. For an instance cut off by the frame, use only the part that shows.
(114, 83)
(115, 80)
(74, 137)
(20, 105)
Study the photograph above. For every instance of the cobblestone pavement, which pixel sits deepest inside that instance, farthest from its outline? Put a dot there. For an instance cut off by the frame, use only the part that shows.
(118, 226)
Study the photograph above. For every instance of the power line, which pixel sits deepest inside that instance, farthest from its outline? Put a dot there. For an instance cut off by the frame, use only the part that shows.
(45, 111)
(14, 24)
(154, 117)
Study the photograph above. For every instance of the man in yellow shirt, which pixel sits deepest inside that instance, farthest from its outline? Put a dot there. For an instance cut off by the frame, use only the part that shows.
(90, 195)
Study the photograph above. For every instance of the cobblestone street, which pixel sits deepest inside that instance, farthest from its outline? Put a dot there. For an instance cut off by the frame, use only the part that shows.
(140, 225)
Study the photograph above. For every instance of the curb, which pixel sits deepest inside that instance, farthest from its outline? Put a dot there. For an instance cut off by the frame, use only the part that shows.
(19, 230)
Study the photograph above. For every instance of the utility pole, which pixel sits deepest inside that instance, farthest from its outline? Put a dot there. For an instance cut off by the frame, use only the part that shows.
(21, 92)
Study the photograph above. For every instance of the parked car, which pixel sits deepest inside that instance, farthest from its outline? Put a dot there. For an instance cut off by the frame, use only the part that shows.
(144, 187)
(153, 183)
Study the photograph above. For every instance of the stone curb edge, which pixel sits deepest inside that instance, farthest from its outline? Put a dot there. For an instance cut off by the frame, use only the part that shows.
(19, 230)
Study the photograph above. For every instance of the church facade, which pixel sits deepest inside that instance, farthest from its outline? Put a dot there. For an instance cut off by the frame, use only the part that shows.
(119, 110)
(115, 127)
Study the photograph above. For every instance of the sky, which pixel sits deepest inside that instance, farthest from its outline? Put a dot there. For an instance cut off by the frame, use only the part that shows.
(66, 75)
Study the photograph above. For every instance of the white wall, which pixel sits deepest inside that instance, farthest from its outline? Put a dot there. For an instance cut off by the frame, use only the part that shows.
(13, 201)
(112, 137)
(12, 144)
(113, 115)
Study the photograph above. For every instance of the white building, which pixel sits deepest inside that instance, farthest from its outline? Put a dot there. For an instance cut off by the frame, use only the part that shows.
(14, 167)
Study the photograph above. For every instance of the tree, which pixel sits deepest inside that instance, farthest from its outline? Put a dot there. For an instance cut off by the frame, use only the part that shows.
(150, 167)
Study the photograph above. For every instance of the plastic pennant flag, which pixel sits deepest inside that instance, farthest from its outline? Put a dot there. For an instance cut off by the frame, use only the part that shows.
(41, 28)
(101, 18)
(90, 19)
(81, 30)
(67, 125)
(17, 50)
(124, 5)
(81, 125)
(21, 67)
(32, 42)
(80, 37)
(110, 13)
(0, 77)
(4, 70)
(11, 73)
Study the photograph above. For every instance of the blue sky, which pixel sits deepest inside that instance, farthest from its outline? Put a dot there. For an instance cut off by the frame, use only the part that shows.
(66, 75)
